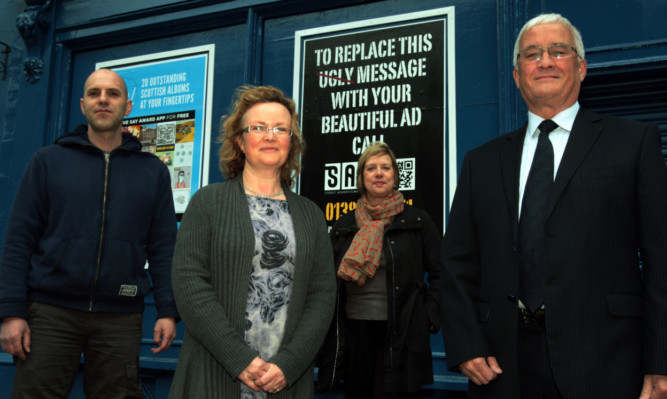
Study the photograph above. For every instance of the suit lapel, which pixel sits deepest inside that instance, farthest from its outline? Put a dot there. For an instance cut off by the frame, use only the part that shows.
(510, 165)
(585, 132)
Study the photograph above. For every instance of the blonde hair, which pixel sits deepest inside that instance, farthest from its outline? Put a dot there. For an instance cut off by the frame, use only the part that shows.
(231, 158)
(376, 148)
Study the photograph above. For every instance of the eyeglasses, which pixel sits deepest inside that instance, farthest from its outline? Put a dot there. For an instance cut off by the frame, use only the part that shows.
(260, 130)
(556, 51)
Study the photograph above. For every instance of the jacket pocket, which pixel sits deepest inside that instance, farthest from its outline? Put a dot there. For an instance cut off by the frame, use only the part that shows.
(605, 172)
(625, 305)
(483, 310)
(123, 270)
(64, 266)
(432, 312)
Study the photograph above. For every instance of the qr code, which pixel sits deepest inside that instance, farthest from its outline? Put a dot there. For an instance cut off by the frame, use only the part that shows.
(407, 170)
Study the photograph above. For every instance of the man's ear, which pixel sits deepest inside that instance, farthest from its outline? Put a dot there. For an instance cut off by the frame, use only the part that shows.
(128, 107)
(583, 69)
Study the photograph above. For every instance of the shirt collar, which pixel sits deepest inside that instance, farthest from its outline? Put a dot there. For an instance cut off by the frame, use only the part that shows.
(564, 119)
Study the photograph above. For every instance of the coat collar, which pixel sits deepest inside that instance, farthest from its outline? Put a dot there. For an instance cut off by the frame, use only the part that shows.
(510, 164)
(79, 137)
(585, 132)
(408, 219)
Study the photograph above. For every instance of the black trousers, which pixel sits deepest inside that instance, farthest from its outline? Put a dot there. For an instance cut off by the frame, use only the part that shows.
(109, 343)
(535, 374)
(364, 378)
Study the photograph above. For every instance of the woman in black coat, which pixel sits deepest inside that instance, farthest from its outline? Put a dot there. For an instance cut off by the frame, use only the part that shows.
(379, 342)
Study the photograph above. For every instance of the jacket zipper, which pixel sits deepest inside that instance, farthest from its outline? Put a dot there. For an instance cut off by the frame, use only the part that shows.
(393, 302)
(338, 339)
(107, 157)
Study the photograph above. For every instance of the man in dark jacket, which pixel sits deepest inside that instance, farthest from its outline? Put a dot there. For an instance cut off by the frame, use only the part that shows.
(543, 295)
(90, 210)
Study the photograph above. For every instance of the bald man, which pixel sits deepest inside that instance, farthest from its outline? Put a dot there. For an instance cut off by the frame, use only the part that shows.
(90, 210)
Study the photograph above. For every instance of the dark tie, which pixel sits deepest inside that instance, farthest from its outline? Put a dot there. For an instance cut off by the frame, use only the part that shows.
(532, 220)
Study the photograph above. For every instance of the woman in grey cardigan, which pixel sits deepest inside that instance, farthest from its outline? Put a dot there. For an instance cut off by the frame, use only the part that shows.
(252, 270)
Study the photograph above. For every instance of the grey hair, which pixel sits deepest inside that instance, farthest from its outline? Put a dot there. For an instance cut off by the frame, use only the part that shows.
(550, 19)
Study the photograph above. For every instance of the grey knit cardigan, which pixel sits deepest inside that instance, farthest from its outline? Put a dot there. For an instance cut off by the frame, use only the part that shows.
(211, 274)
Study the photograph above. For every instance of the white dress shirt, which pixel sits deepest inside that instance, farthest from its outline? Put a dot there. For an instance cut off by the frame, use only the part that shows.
(559, 137)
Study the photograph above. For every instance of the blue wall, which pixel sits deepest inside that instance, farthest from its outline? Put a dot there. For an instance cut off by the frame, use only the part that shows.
(255, 44)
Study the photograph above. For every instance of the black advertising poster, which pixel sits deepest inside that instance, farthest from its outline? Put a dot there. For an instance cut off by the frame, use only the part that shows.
(379, 80)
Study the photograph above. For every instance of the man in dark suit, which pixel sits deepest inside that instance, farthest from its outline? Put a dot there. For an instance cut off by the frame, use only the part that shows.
(544, 296)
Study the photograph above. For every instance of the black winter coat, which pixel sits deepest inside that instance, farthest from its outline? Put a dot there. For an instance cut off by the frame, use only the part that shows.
(411, 248)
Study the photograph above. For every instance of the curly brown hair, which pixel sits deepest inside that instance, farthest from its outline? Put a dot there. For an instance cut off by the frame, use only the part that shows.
(231, 158)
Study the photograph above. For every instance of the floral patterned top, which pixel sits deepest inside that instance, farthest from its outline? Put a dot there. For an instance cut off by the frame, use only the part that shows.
(271, 279)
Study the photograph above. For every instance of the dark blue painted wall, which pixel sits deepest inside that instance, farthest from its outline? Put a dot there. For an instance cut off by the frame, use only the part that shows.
(255, 44)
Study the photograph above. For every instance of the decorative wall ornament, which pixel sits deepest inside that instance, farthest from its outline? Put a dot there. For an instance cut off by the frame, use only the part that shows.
(33, 68)
(5, 63)
(32, 24)
(27, 26)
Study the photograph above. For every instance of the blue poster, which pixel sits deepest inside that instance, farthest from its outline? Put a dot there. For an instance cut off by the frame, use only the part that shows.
(169, 114)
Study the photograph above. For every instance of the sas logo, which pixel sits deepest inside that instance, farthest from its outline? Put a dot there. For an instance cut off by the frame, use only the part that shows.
(343, 176)
(340, 176)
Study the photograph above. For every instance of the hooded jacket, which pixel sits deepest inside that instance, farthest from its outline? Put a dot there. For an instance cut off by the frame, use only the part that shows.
(411, 247)
(82, 226)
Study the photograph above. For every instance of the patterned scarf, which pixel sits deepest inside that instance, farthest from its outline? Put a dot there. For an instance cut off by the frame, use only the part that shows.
(363, 257)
